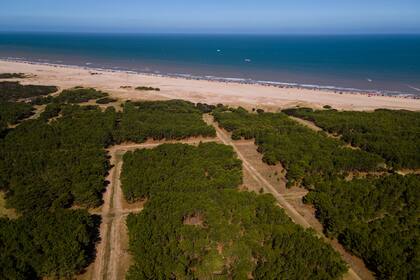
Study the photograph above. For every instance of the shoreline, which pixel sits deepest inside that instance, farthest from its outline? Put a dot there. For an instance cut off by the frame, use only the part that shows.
(230, 92)
(209, 78)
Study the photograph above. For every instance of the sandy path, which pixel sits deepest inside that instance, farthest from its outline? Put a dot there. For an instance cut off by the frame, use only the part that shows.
(110, 252)
(354, 263)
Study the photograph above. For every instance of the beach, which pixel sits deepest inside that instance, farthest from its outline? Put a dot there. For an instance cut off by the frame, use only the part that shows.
(120, 84)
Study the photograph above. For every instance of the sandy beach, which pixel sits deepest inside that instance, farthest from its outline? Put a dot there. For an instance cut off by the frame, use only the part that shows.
(212, 92)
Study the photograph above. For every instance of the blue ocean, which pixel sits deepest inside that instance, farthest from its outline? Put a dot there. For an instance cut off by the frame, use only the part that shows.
(386, 63)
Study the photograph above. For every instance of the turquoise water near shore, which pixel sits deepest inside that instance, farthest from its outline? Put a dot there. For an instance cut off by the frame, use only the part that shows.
(386, 63)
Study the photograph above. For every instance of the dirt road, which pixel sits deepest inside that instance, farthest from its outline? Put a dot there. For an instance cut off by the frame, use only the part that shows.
(112, 256)
(357, 270)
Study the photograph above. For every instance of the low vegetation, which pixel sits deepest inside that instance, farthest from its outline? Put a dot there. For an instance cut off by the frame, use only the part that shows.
(143, 88)
(12, 75)
(197, 226)
(394, 135)
(13, 91)
(173, 119)
(106, 100)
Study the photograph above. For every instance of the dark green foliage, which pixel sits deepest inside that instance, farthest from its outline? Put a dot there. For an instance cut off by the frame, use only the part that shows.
(12, 112)
(58, 161)
(79, 95)
(205, 108)
(42, 100)
(179, 168)
(304, 153)
(105, 100)
(143, 88)
(51, 111)
(395, 135)
(12, 91)
(12, 75)
(195, 226)
(57, 244)
(225, 234)
(53, 165)
(375, 218)
(173, 119)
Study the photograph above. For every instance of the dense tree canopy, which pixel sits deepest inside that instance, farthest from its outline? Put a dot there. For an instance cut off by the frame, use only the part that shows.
(59, 160)
(55, 164)
(225, 235)
(377, 219)
(54, 244)
(179, 168)
(73, 96)
(173, 119)
(79, 95)
(12, 112)
(12, 91)
(392, 134)
(196, 226)
(304, 153)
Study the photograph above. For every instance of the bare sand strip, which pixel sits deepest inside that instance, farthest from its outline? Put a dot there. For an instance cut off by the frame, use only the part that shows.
(212, 92)
(357, 270)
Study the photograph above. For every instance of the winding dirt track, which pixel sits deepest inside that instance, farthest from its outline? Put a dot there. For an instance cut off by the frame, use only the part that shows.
(362, 272)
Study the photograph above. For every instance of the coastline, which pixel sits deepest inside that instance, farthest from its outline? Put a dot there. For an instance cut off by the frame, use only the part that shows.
(330, 88)
(213, 90)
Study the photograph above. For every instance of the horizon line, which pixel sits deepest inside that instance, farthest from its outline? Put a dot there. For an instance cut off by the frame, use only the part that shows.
(208, 33)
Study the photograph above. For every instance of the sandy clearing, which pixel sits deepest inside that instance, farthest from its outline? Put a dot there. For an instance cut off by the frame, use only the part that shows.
(357, 269)
(234, 94)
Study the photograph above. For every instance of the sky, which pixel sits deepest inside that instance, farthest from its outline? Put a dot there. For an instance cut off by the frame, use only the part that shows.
(215, 16)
